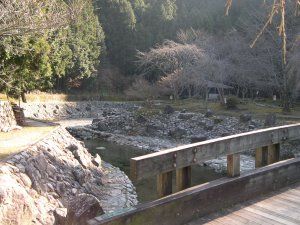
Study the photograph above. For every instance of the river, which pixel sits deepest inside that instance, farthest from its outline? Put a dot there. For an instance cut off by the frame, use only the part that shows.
(119, 156)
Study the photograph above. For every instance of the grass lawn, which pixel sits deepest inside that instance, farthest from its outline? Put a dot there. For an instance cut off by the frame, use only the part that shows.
(257, 109)
(15, 141)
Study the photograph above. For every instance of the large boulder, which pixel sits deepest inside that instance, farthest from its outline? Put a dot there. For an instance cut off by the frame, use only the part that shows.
(16, 205)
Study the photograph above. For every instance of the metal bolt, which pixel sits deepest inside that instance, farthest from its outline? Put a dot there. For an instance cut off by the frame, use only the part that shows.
(194, 160)
(195, 150)
(174, 165)
(175, 156)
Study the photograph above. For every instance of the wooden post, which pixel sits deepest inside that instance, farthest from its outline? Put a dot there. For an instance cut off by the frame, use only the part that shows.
(183, 178)
(164, 184)
(261, 157)
(273, 153)
(233, 165)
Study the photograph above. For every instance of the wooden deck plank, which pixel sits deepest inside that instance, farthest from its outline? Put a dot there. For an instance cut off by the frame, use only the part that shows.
(290, 205)
(294, 192)
(256, 219)
(288, 197)
(270, 216)
(279, 208)
(242, 220)
(291, 196)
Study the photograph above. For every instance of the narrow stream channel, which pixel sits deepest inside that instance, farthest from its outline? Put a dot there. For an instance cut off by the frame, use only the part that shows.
(119, 156)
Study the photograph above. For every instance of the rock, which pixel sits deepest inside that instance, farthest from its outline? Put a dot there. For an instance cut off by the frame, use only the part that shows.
(252, 127)
(209, 126)
(152, 129)
(55, 111)
(209, 113)
(225, 134)
(185, 116)
(245, 118)
(17, 207)
(72, 147)
(88, 108)
(168, 109)
(68, 111)
(141, 119)
(96, 121)
(60, 215)
(21, 167)
(41, 163)
(270, 120)
(82, 157)
(218, 120)
(102, 126)
(82, 208)
(26, 180)
(177, 133)
(97, 160)
(196, 139)
(80, 175)
(60, 188)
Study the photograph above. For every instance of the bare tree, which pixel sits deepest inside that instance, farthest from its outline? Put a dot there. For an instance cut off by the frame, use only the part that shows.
(168, 57)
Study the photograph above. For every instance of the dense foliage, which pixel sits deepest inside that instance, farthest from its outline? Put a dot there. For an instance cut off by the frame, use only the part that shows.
(39, 60)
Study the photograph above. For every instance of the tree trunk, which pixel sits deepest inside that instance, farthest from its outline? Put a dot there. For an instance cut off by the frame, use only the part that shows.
(23, 96)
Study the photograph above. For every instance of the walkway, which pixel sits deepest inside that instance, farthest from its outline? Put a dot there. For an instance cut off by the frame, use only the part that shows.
(281, 208)
(17, 140)
(75, 122)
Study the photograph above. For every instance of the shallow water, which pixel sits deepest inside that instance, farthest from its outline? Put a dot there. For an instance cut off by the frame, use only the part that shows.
(119, 156)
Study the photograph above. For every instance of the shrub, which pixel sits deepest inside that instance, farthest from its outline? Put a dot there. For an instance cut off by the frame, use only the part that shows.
(232, 102)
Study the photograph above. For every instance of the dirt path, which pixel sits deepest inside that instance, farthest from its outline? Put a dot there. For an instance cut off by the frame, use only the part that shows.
(17, 140)
(75, 122)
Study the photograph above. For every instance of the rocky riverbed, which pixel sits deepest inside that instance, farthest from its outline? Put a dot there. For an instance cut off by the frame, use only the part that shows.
(124, 124)
(170, 128)
(56, 181)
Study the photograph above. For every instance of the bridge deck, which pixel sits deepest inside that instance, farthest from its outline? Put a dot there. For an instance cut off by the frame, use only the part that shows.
(281, 207)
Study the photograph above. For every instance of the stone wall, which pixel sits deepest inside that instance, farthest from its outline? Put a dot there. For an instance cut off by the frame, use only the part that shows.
(66, 110)
(7, 118)
(56, 181)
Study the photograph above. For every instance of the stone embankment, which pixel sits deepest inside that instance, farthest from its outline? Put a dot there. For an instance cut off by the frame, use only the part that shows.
(7, 118)
(69, 110)
(56, 181)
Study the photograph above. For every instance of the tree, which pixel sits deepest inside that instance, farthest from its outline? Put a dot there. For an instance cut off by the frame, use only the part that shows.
(86, 41)
(28, 68)
(280, 11)
(36, 59)
(20, 17)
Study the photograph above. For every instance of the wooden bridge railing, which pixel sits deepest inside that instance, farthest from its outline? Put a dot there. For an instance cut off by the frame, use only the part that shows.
(180, 159)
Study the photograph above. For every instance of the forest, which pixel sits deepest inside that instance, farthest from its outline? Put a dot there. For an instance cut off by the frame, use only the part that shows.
(151, 48)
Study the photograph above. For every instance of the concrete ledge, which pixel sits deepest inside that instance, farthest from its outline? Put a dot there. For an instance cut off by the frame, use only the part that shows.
(198, 201)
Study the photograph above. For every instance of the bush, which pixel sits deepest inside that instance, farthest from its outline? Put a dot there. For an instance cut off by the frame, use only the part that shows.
(232, 102)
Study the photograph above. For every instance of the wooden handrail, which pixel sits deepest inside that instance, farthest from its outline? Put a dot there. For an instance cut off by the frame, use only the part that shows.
(187, 155)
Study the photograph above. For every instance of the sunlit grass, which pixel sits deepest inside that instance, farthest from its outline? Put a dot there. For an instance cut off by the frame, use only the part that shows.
(16, 140)
(199, 105)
